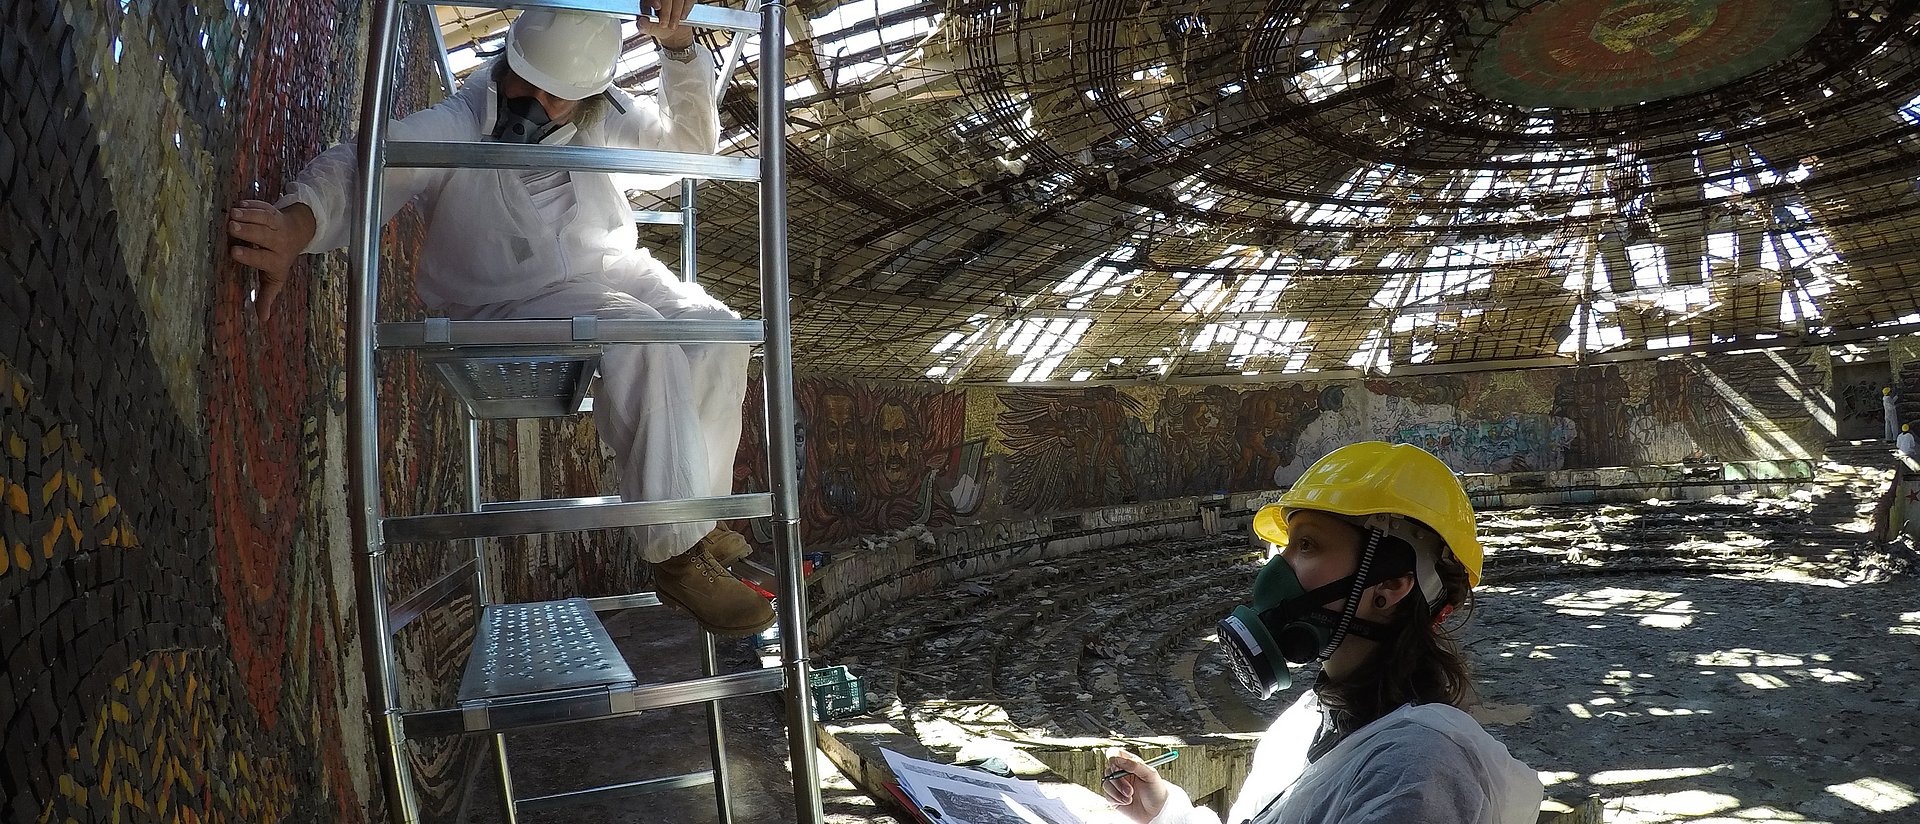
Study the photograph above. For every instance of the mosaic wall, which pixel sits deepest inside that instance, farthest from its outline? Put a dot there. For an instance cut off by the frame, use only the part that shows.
(176, 601)
(877, 457)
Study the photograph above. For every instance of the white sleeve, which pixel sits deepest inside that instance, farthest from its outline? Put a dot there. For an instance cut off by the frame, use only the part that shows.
(326, 184)
(681, 117)
(1180, 810)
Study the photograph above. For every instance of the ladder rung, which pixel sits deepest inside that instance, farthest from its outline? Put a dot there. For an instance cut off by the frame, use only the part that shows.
(564, 708)
(574, 518)
(609, 603)
(402, 612)
(528, 335)
(423, 154)
(550, 503)
(699, 17)
(658, 218)
(611, 791)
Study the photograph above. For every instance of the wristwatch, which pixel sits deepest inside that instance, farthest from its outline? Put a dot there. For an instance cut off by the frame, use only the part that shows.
(682, 55)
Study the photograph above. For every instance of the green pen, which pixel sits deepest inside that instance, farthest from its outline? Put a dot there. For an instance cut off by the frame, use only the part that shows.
(1155, 761)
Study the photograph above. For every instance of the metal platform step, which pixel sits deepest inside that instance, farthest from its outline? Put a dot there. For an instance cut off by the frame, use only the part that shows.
(541, 337)
(700, 17)
(568, 515)
(459, 154)
(513, 385)
(525, 651)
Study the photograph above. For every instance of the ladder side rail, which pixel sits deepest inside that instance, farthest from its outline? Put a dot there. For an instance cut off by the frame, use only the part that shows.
(689, 186)
(736, 46)
(483, 593)
(778, 381)
(448, 82)
(716, 733)
(689, 236)
(507, 800)
(363, 438)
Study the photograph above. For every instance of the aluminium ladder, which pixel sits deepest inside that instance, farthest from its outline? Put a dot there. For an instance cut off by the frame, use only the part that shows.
(552, 662)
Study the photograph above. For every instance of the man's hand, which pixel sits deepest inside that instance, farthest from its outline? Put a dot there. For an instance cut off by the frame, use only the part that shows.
(669, 32)
(1141, 793)
(275, 237)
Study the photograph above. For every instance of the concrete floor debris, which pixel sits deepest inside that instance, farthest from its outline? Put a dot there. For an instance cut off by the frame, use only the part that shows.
(1740, 659)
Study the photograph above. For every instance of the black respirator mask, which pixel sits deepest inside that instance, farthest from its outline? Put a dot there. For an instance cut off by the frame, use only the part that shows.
(524, 120)
(1286, 624)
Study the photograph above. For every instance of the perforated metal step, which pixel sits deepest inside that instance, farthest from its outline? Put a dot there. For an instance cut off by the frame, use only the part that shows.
(526, 650)
(494, 387)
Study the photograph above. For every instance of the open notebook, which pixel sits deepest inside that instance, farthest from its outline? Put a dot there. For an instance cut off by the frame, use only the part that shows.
(945, 794)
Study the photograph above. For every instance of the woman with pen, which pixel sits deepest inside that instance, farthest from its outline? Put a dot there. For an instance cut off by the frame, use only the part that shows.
(1377, 550)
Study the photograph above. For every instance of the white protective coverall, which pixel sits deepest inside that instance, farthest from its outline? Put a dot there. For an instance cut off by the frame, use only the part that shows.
(671, 413)
(1419, 764)
(1890, 414)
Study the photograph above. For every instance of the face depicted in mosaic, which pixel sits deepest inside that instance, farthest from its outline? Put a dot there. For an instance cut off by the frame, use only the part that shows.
(895, 445)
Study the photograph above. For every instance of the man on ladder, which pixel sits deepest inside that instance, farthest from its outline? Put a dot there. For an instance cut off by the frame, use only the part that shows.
(505, 244)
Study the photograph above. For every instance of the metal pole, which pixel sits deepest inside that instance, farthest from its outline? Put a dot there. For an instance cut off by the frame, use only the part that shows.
(778, 373)
(735, 46)
(688, 239)
(716, 733)
(447, 82)
(507, 801)
(363, 420)
(482, 586)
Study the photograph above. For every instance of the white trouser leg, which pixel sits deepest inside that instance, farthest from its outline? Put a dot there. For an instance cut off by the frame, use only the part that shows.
(719, 370)
(662, 408)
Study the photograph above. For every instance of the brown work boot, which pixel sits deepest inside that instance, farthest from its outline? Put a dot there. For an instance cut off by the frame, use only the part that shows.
(726, 545)
(695, 582)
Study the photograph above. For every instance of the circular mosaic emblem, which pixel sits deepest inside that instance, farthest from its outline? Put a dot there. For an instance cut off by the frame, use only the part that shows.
(1603, 53)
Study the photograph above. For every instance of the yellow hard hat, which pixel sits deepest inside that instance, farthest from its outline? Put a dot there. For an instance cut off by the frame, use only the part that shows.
(1374, 478)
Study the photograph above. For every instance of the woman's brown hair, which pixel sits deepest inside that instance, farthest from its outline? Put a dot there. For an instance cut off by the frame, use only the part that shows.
(1420, 662)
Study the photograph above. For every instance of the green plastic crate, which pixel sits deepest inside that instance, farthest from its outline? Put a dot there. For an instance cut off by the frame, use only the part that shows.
(837, 693)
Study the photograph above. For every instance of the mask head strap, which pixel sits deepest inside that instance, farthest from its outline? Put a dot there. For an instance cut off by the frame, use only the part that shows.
(1352, 605)
(1426, 545)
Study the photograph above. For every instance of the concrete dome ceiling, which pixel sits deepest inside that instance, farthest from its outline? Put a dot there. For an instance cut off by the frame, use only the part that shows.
(1061, 191)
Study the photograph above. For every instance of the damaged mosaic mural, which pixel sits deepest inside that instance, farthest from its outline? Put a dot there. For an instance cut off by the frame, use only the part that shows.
(878, 457)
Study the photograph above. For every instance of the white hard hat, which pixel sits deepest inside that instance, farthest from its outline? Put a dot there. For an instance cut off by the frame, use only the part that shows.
(567, 54)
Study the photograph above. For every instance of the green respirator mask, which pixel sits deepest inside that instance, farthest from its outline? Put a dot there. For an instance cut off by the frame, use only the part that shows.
(1286, 624)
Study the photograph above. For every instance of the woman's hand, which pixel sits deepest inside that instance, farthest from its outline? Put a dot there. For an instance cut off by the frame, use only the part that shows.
(669, 32)
(270, 241)
(1141, 793)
